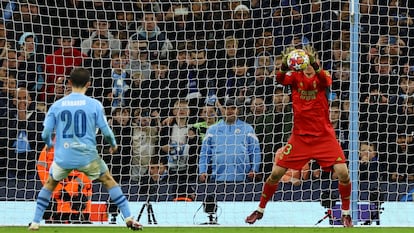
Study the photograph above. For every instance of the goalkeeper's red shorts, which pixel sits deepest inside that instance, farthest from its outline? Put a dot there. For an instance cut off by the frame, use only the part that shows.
(300, 149)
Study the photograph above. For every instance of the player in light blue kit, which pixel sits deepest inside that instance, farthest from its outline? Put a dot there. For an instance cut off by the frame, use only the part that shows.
(75, 119)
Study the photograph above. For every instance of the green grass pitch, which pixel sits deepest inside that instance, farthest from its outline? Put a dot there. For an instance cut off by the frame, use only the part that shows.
(252, 229)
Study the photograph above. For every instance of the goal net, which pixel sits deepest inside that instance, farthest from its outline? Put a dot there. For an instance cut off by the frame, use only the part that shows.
(169, 73)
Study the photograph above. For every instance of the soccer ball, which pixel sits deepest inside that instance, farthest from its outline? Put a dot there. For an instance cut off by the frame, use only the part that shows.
(298, 60)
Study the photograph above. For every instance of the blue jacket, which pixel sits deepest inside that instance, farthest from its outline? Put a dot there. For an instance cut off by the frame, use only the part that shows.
(232, 151)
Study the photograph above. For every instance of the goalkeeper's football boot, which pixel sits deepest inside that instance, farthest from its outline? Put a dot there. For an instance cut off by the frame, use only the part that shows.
(347, 221)
(133, 224)
(256, 215)
(33, 226)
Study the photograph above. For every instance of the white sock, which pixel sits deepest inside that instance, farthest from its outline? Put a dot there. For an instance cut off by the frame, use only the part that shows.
(261, 210)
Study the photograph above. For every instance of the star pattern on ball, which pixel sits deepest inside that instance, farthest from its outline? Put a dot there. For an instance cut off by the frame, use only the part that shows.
(298, 60)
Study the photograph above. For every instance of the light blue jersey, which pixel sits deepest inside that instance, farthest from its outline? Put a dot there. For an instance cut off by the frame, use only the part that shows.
(75, 119)
(232, 151)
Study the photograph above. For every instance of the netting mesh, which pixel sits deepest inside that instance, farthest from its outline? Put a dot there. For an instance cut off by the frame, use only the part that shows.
(163, 71)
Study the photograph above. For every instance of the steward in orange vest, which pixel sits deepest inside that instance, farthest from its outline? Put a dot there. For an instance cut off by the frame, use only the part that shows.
(71, 200)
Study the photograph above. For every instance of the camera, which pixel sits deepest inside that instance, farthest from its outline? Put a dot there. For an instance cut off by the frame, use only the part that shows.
(328, 199)
(376, 199)
(210, 205)
(113, 211)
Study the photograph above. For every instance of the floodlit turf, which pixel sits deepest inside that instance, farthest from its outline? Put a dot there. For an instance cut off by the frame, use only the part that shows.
(252, 229)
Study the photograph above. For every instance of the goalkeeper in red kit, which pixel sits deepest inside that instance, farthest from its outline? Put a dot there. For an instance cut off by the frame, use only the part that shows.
(313, 136)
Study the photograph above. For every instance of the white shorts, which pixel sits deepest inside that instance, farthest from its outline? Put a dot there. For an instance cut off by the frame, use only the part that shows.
(93, 170)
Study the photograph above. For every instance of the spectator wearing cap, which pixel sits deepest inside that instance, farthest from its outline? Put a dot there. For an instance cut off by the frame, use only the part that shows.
(390, 45)
(63, 60)
(159, 45)
(241, 27)
(230, 148)
(101, 29)
(30, 67)
(27, 18)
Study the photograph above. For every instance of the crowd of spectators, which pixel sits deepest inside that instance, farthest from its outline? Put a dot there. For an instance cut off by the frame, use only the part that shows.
(165, 69)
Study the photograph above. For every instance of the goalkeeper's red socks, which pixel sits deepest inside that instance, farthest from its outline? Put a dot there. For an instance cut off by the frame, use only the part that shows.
(267, 194)
(345, 192)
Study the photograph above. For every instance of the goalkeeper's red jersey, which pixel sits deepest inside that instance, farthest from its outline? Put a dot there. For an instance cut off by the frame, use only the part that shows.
(310, 104)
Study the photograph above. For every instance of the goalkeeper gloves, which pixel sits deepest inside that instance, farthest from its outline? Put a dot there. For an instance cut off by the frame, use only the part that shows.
(285, 67)
(312, 57)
